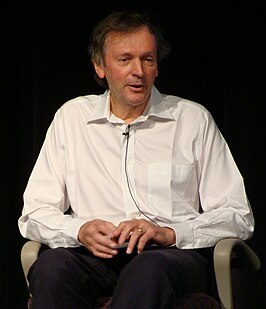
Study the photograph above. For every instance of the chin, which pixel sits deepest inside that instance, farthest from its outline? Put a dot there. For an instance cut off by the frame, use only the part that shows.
(138, 99)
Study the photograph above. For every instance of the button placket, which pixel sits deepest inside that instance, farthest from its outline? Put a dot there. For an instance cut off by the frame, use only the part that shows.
(128, 174)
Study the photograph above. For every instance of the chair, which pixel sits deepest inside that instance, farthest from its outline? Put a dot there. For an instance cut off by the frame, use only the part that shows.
(223, 265)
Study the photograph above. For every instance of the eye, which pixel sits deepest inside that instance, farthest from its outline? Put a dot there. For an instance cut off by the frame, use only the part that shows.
(149, 60)
(123, 60)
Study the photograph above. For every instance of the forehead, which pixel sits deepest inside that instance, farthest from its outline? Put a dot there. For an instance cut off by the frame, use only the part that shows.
(140, 39)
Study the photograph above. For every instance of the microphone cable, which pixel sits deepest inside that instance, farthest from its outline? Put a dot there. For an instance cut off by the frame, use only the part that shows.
(126, 134)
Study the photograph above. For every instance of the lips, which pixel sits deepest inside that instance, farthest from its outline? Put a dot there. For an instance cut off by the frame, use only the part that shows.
(136, 86)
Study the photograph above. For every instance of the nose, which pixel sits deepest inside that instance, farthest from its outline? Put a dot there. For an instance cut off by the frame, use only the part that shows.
(137, 67)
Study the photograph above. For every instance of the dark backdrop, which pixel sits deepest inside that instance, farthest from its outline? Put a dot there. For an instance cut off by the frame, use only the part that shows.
(216, 61)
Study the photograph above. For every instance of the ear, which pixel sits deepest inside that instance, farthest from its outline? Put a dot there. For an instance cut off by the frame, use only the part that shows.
(99, 70)
(157, 73)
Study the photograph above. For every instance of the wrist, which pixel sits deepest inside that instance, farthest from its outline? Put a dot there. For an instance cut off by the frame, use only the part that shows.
(171, 237)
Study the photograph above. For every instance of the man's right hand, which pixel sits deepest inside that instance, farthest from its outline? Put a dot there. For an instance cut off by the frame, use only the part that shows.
(97, 237)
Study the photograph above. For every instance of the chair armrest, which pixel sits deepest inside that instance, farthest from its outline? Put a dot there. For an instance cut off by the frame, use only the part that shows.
(222, 266)
(29, 254)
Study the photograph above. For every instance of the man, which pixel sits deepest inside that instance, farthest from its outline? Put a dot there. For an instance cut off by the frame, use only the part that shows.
(148, 181)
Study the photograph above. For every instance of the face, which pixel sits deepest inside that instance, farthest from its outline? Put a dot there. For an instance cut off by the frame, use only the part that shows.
(130, 67)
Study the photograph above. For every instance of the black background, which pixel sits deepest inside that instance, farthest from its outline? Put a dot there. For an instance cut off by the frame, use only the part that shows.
(217, 60)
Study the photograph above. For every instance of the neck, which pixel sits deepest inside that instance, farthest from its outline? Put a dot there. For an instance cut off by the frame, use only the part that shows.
(125, 112)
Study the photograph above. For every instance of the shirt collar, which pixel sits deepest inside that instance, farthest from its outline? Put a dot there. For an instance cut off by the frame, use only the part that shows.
(156, 107)
(101, 110)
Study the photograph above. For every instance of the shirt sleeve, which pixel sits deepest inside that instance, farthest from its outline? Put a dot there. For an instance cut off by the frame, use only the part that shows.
(45, 199)
(225, 209)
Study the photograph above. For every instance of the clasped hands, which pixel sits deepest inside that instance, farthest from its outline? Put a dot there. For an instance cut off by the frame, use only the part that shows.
(103, 238)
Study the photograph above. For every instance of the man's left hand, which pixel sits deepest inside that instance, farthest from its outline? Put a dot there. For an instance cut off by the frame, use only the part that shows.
(141, 232)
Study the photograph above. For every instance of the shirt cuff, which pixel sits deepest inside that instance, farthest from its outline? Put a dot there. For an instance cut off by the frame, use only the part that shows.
(71, 231)
(184, 235)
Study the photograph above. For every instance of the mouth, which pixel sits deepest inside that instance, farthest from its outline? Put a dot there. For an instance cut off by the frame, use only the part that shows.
(136, 87)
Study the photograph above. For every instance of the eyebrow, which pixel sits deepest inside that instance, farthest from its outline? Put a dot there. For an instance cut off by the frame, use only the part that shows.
(145, 54)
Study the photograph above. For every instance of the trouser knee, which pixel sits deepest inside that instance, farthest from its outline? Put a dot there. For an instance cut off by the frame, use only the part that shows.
(50, 267)
(183, 270)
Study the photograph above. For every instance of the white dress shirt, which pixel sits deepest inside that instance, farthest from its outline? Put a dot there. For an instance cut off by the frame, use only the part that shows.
(180, 172)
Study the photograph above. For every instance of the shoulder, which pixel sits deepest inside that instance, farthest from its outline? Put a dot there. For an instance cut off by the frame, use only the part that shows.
(79, 107)
(181, 107)
(86, 103)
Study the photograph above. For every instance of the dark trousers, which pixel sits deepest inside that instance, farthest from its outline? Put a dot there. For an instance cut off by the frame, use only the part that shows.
(72, 278)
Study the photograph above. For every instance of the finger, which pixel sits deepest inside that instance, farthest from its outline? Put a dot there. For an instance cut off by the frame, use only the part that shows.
(103, 251)
(134, 239)
(142, 243)
(124, 231)
(105, 255)
(103, 241)
(100, 243)
(106, 228)
(92, 229)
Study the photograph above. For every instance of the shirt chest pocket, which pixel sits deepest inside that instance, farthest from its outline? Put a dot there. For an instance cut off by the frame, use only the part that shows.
(170, 185)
